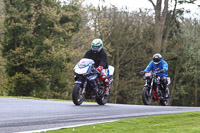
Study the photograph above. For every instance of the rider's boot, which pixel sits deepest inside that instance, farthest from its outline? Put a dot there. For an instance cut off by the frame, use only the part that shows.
(107, 90)
(164, 82)
(166, 92)
(106, 82)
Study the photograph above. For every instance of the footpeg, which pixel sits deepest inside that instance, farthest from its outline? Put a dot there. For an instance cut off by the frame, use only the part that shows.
(111, 81)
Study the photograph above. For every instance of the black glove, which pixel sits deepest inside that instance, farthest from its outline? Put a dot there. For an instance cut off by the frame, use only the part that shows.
(142, 72)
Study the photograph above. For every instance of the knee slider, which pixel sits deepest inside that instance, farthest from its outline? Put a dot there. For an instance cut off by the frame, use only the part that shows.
(103, 77)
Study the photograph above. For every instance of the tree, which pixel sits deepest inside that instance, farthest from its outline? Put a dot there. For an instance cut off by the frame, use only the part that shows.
(160, 19)
(189, 79)
(1, 18)
(124, 35)
(2, 60)
(35, 46)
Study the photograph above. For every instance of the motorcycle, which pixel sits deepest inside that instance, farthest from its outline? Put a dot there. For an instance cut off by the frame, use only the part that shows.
(153, 90)
(84, 72)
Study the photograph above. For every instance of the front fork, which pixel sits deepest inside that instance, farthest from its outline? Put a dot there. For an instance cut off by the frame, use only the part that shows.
(151, 91)
(84, 84)
(151, 88)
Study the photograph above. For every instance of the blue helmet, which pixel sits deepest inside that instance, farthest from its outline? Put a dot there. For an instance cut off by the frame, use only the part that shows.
(97, 45)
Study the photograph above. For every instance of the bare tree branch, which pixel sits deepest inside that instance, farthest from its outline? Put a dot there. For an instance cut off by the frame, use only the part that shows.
(123, 54)
(165, 10)
(152, 3)
(174, 12)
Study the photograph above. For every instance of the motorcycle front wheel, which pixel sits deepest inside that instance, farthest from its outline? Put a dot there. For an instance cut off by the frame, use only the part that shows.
(146, 97)
(77, 95)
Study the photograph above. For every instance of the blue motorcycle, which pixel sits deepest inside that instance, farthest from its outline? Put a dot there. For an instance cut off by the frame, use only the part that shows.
(85, 72)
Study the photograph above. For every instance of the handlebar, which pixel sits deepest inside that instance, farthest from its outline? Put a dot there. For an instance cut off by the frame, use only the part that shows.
(154, 72)
(96, 71)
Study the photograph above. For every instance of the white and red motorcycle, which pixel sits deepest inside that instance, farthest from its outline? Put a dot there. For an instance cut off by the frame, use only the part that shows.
(85, 71)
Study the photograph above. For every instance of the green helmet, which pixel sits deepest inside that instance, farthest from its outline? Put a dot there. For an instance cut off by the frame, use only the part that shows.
(97, 45)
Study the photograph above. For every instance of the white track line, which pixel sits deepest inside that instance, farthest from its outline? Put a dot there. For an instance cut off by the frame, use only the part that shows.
(57, 128)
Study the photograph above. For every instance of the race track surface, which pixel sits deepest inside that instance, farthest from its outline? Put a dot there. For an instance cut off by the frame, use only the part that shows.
(19, 115)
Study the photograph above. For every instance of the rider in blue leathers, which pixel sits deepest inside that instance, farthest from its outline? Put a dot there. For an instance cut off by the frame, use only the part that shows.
(158, 64)
(158, 67)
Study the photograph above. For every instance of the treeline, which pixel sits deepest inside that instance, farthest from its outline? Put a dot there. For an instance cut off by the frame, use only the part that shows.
(42, 40)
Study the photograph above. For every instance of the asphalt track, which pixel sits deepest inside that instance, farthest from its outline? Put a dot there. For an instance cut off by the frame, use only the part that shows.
(20, 115)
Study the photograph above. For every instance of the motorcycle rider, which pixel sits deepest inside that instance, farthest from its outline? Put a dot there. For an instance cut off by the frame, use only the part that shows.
(158, 64)
(98, 54)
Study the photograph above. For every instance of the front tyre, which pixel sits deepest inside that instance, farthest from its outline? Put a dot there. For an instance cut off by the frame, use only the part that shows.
(77, 95)
(103, 99)
(146, 96)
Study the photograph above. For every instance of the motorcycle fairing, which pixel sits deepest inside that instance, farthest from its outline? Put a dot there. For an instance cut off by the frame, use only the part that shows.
(83, 67)
(168, 80)
(111, 70)
(78, 82)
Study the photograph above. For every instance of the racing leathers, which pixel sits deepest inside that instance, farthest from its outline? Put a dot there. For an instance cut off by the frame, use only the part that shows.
(100, 59)
(158, 67)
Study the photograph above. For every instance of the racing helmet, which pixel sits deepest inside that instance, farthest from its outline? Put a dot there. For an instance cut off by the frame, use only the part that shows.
(97, 45)
(157, 58)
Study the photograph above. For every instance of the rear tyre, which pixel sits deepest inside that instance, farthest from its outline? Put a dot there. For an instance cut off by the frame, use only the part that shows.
(103, 99)
(77, 95)
(165, 101)
(146, 96)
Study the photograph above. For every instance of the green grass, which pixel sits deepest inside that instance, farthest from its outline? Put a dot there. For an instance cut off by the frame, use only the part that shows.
(34, 98)
(174, 123)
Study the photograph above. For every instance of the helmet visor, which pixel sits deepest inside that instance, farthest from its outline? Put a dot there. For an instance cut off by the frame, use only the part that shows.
(95, 47)
(156, 60)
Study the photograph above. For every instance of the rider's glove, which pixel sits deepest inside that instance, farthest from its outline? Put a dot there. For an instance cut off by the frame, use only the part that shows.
(99, 68)
(142, 72)
(162, 71)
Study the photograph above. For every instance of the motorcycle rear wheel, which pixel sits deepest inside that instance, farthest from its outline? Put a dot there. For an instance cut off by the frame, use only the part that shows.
(103, 99)
(77, 95)
(146, 98)
(165, 101)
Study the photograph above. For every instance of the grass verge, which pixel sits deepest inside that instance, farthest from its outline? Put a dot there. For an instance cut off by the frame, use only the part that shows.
(174, 123)
(33, 98)
(36, 98)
